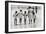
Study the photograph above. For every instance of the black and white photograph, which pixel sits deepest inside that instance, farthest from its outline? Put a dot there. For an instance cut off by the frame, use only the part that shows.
(25, 16)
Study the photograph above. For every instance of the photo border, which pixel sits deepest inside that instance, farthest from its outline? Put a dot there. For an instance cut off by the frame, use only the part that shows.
(6, 16)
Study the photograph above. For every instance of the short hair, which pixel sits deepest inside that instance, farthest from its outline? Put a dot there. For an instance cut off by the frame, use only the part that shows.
(20, 10)
(25, 12)
(15, 12)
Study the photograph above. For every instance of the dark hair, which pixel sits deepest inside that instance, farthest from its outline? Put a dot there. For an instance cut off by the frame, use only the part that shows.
(33, 13)
(25, 12)
(15, 12)
(29, 7)
(20, 10)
